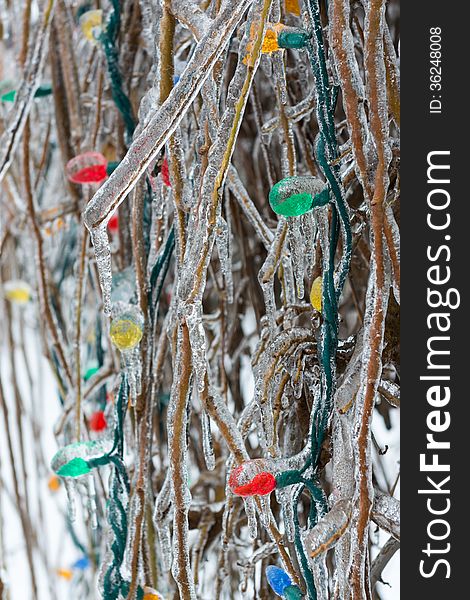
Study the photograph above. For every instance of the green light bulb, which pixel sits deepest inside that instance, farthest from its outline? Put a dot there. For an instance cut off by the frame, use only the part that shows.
(293, 37)
(292, 592)
(74, 468)
(73, 460)
(295, 196)
(43, 90)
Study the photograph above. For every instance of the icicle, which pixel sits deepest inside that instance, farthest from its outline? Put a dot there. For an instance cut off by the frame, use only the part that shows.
(297, 248)
(250, 511)
(208, 449)
(99, 238)
(133, 370)
(71, 489)
(162, 519)
(320, 576)
(396, 247)
(265, 510)
(280, 77)
(223, 246)
(284, 497)
(193, 315)
(91, 494)
(270, 303)
(288, 289)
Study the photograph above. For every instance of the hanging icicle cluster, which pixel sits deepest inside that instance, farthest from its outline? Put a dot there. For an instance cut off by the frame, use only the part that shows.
(199, 244)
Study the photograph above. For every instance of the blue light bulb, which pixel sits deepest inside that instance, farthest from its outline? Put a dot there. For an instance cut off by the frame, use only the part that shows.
(82, 563)
(278, 579)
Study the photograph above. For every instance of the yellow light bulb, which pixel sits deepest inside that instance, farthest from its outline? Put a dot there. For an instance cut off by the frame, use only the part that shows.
(89, 22)
(316, 293)
(293, 7)
(17, 292)
(65, 574)
(269, 41)
(126, 330)
(54, 483)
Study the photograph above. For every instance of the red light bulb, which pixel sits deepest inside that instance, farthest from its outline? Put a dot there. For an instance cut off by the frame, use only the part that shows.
(165, 173)
(89, 167)
(113, 223)
(252, 479)
(98, 421)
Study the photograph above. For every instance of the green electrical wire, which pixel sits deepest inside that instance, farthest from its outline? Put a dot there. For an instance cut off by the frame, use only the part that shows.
(326, 154)
(108, 40)
(159, 271)
(114, 584)
(299, 548)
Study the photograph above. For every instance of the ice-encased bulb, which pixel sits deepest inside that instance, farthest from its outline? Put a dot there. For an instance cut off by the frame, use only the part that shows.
(252, 478)
(295, 196)
(91, 24)
(73, 460)
(127, 329)
(292, 37)
(278, 579)
(89, 167)
(316, 293)
(17, 291)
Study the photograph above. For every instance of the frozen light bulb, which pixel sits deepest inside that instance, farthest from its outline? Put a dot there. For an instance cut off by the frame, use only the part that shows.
(43, 90)
(17, 292)
(90, 372)
(89, 167)
(65, 574)
(295, 196)
(292, 37)
(73, 460)
(278, 579)
(292, 592)
(54, 483)
(127, 329)
(98, 421)
(252, 478)
(316, 293)
(91, 24)
(293, 7)
(113, 223)
(81, 564)
(165, 173)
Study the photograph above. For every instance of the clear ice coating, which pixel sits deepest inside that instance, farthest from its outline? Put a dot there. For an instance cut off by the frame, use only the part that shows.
(329, 529)
(123, 286)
